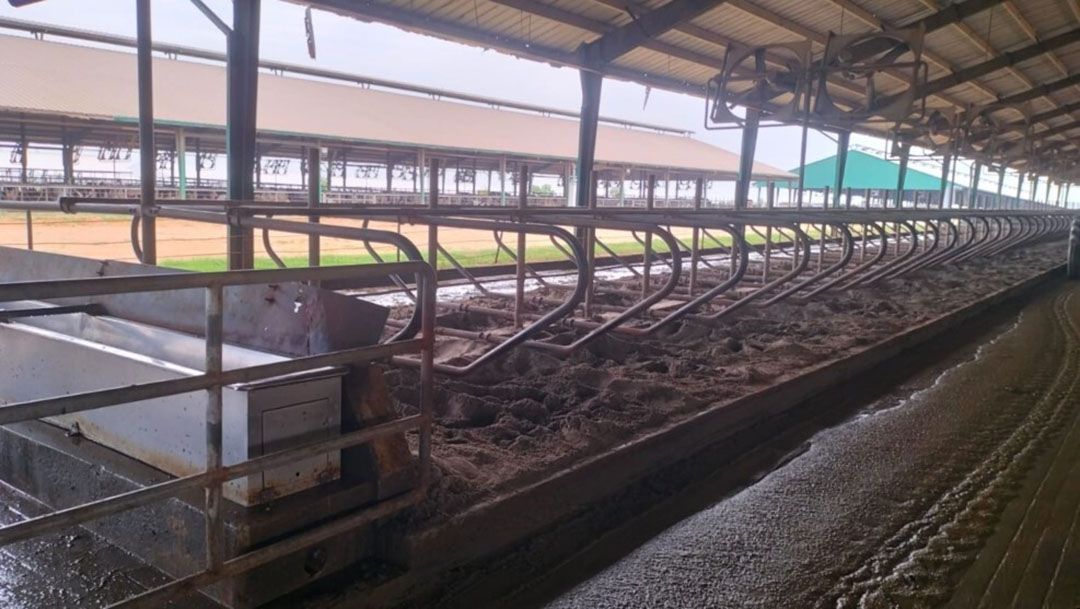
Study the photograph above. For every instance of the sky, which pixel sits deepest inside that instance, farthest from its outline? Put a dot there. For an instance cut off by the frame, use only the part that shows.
(383, 51)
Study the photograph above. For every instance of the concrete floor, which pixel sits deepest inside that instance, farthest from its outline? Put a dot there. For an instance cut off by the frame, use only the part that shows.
(73, 569)
(961, 488)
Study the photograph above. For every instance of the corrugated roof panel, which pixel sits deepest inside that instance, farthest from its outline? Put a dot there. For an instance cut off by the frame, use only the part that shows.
(743, 27)
(597, 11)
(54, 78)
(751, 24)
(652, 62)
(999, 29)
(954, 46)
(897, 13)
(695, 44)
(1047, 16)
(817, 15)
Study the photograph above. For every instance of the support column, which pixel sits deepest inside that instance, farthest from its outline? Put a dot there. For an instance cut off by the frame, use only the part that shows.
(421, 164)
(344, 154)
(622, 187)
(242, 77)
(843, 140)
(24, 174)
(314, 163)
(67, 159)
(433, 230)
(1001, 186)
(646, 261)
(24, 158)
(973, 196)
(905, 155)
(749, 147)
(591, 83)
(147, 149)
(746, 158)
(695, 236)
(568, 178)
(198, 163)
(943, 190)
(389, 173)
(1074, 249)
(502, 180)
(1020, 191)
(181, 159)
(519, 293)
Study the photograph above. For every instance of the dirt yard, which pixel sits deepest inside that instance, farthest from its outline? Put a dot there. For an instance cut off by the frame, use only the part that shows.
(109, 237)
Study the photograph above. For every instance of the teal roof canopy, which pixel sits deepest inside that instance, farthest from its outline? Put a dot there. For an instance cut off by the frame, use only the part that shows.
(862, 171)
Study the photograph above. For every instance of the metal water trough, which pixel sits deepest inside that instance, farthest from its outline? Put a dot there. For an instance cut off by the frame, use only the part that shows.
(78, 345)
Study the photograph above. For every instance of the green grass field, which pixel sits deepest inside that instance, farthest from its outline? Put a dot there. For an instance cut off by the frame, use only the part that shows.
(466, 258)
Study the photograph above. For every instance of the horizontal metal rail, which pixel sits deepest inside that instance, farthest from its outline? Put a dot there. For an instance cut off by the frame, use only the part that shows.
(907, 240)
(212, 381)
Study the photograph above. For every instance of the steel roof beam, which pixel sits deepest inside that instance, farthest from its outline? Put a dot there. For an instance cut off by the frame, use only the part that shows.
(625, 38)
(686, 28)
(954, 14)
(778, 21)
(984, 44)
(930, 23)
(559, 15)
(414, 22)
(1059, 130)
(1003, 61)
(1042, 91)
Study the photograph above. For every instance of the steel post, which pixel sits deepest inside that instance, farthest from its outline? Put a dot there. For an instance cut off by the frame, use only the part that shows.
(242, 75)
(24, 177)
(389, 173)
(905, 155)
(591, 84)
(973, 196)
(843, 141)
(695, 238)
(181, 157)
(519, 293)
(433, 229)
(198, 163)
(67, 159)
(502, 180)
(314, 164)
(1074, 249)
(945, 163)
(1001, 186)
(147, 149)
(646, 262)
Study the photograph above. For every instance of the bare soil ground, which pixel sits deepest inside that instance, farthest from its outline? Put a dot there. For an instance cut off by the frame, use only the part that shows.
(109, 237)
(531, 414)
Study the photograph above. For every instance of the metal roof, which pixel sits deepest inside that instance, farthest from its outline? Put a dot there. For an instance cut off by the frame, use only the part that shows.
(978, 51)
(57, 79)
(863, 171)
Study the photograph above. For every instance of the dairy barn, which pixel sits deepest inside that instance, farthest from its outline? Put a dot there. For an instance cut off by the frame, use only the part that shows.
(280, 330)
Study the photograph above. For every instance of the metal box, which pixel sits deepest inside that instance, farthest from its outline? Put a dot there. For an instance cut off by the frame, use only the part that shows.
(54, 355)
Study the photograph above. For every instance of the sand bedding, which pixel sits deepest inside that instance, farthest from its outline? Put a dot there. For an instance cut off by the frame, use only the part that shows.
(530, 414)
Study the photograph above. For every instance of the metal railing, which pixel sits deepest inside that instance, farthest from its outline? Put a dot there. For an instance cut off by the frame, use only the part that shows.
(212, 381)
